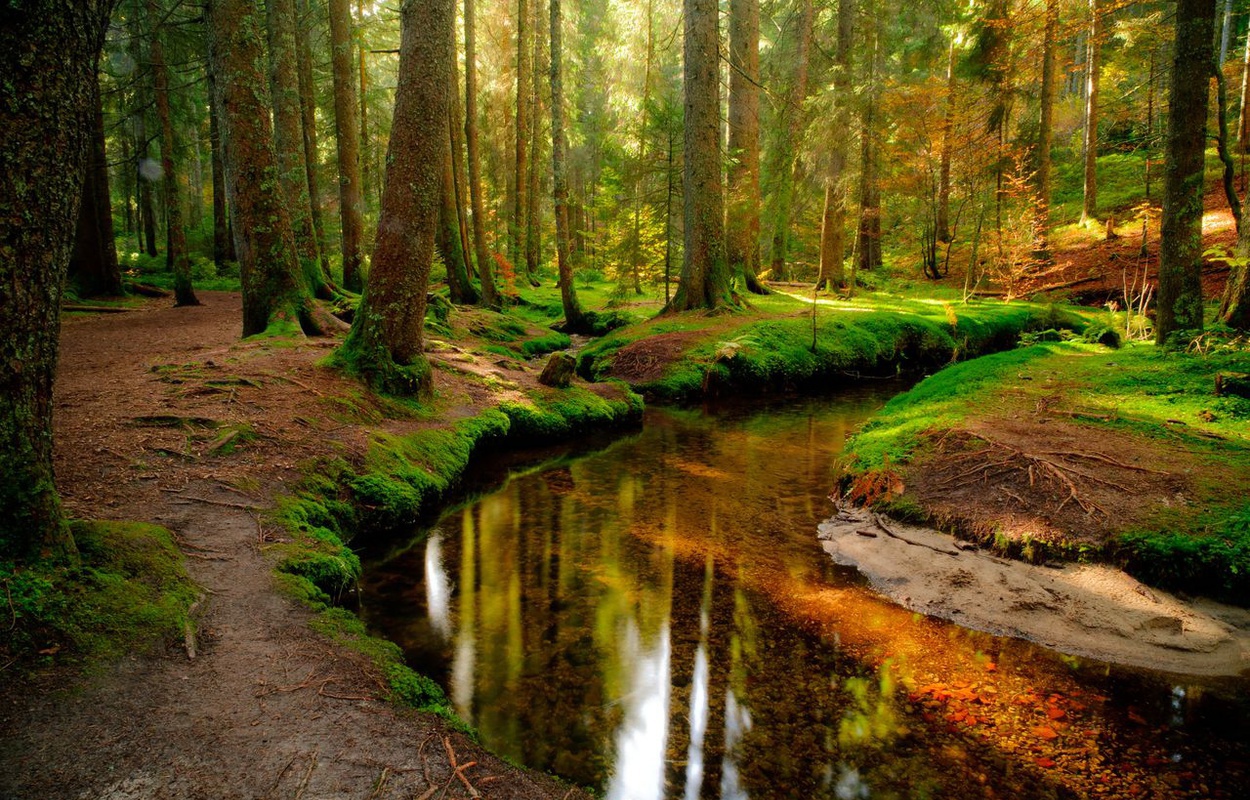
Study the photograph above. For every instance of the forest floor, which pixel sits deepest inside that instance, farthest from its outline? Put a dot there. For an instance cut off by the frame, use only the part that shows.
(164, 415)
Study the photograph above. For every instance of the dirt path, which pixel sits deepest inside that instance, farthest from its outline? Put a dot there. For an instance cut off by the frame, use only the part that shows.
(267, 708)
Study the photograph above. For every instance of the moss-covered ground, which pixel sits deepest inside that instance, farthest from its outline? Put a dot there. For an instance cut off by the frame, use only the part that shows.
(127, 590)
(1161, 460)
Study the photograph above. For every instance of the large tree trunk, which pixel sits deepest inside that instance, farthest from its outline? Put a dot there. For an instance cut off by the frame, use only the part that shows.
(346, 132)
(1093, 66)
(176, 234)
(1045, 135)
(1179, 305)
(94, 263)
(385, 343)
(573, 317)
(48, 57)
(788, 158)
(833, 220)
(485, 264)
(516, 238)
(705, 276)
(308, 114)
(273, 285)
(742, 221)
(288, 137)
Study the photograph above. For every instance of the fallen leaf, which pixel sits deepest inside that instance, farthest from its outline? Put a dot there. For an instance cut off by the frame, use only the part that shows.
(1044, 762)
(1055, 713)
(1045, 732)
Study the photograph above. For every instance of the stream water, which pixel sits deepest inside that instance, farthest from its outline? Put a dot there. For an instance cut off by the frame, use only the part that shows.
(655, 618)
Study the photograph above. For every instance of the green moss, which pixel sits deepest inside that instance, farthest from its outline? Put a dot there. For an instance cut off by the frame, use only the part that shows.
(127, 590)
(1214, 560)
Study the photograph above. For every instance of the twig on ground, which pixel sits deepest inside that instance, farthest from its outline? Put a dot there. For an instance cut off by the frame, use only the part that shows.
(303, 784)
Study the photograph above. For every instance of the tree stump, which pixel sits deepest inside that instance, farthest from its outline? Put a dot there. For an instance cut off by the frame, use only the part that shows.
(559, 371)
(1237, 383)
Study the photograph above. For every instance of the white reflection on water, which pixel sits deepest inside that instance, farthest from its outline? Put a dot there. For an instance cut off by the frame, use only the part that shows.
(737, 723)
(643, 736)
(698, 723)
(437, 585)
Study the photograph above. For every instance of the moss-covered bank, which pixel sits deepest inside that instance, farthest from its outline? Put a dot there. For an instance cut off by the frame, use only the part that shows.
(1117, 423)
(402, 479)
(783, 344)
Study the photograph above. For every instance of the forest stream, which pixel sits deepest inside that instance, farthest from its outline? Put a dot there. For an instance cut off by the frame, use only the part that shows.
(657, 619)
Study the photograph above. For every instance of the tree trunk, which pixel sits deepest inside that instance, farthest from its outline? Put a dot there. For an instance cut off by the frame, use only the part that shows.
(1179, 304)
(705, 276)
(459, 179)
(1045, 135)
(143, 171)
(385, 343)
(1235, 304)
(1243, 120)
(367, 176)
(742, 220)
(943, 232)
(48, 57)
(516, 238)
(94, 262)
(574, 320)
(176, 234)
(485, 264)
(222, 244)
(788, 158)
(308, 113)
(288, 138)
(273, 285)
(449, 242)
(833, 219)
(1093, 67)
(869, 236)
(533, 213)
(346, 132)
(1225, 31)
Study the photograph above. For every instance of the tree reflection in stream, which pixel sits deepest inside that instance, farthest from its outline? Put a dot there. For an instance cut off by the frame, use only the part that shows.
(658, 620)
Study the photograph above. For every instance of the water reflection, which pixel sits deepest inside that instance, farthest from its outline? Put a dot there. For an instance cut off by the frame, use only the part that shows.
(658, 620)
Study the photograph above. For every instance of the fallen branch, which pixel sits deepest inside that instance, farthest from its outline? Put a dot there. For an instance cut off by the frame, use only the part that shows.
(890, 532)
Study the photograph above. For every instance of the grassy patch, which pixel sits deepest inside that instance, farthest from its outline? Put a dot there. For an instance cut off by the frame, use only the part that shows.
(776, 345)
(1161, 398)
(127, 591)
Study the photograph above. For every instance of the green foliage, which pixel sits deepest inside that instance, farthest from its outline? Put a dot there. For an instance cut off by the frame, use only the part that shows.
(1214, 562)
(561, 413)
(127, 590)
(152, 270)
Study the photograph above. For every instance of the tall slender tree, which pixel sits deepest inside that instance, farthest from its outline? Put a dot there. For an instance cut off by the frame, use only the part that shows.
(524, 45)
(385, 343)
(223, 242)
(273, 282)
(94, 263)
(705, 276)
(308, 113)
(742, 220)
(574, 319)
(791, 140)
(1179, 305)
(833, 220)
(1093, 70)
(49, 54)
(485, 264)
(1045, 134)
(868, 242)
(176, 233)
(288, 136)
(346, 136)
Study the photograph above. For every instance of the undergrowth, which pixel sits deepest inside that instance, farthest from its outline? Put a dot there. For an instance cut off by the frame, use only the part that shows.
(127, 591)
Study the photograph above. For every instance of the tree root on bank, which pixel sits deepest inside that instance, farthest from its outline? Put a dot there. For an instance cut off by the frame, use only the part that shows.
(1049, 466)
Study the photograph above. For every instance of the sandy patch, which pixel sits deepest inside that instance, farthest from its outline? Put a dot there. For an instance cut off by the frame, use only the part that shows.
(1085, 610)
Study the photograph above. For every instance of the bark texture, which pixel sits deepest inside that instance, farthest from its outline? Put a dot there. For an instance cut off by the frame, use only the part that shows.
(573, 317)
(1179, 305)
(94, 264)
(788, 152)
(1093, 67)
(308, 113)
(1045, 133)
(176, 232)
(48, 57)
(833, 219)
(705, 277)
(288, 135)
(742, 220)
(485, 264)
(346, 132)
(385, 343)
(273, 284)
